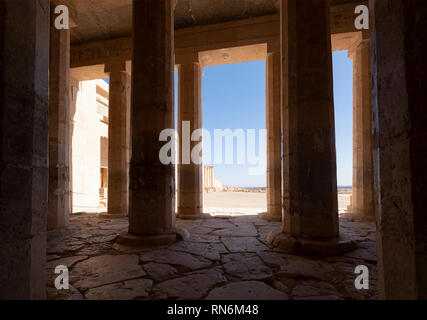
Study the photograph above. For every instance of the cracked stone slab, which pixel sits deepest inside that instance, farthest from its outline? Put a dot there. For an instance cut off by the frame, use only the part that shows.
(363, 254)
(205, 238)
(70, 294)
(193, 286)
(297, 267)
(274, 259)
(101, 270)
(246, 290)
(243, 244)
(160, 272)
(218, 224)
(246, 266)
(51, 265)
(247, 230)
(210, 251)
(312, 289)
(128, 290)
(68, 262)
(185, 261)
(199, 230)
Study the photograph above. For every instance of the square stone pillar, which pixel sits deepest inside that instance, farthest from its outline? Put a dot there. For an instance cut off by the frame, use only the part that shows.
(152, 184)
(310, 200)
(24, 110)
(117, 141)
(398, 55)
(59, 127)
(190, 183)
(363, 179)
(274, 133)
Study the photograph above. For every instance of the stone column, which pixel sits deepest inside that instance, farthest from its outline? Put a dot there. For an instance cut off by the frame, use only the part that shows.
(117, 141)
(274, 133)
(24, 109)
(152, 184)
(310, 202)
(399, 44)
(59, 204)
(190, 185)
(363, 179)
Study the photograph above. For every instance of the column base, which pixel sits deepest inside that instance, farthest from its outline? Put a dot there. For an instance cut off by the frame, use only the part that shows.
(106, 215)
(131, 240)
(193, 216)
(323, 248)
(358, 217)
(269, 217)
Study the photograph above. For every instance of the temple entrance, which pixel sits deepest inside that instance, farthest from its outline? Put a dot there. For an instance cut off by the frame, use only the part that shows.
(235, 142)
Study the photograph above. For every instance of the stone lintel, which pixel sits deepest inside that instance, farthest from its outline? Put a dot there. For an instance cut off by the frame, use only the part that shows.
(259, 30)
(115, 66)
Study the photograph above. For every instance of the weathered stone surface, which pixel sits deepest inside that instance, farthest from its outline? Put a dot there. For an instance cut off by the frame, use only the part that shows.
(309, 290)
(364, 254)
(183, 260)
(283, 272)
(242, 230)
(128, 290)
(68, 262)
(205, 238)
(190, 287)
(274, 259)
(200, 230)
(243, 244)
(247, 290)
(151, 183)
(159, 271)
(210, 251)
(302, 267)
(218, 224)
(102, 270)
(309, 190)
(246, 266)
(70, 294)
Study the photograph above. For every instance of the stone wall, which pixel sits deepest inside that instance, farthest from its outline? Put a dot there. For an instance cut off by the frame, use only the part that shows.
(88, 121)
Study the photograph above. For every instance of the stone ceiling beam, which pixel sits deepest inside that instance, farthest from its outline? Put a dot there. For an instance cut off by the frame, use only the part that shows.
(210, 37)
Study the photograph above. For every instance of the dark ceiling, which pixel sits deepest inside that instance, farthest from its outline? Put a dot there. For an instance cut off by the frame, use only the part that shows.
(107, 19)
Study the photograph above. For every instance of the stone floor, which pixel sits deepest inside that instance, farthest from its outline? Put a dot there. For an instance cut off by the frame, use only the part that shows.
(226, 257)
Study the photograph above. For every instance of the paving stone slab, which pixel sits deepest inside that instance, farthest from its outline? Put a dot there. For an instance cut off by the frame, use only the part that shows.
(299, 267)
(185, 261)
(246, 290)
(70, 294)
(246, 266)
(102, 270)
(237, 231)
(243, 244)
(193, 286)
(159, 271)
(312, 289)
(128, 290)
(210, 251)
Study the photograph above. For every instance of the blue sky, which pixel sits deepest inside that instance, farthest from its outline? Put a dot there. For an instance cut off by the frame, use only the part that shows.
(233, 96)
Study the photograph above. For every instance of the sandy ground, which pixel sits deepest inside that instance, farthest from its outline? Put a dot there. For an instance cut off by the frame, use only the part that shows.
(248, 202)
